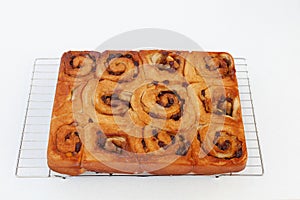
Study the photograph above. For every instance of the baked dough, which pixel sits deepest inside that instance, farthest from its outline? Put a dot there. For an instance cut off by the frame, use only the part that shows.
(219, 145)
(157, 112)
(217, 103)
(214, 68)
(78, 66)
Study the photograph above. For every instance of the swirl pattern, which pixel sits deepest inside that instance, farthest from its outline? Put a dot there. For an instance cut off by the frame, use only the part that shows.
(65, 144)
(219, 142)
(221, 63)
(115, 65)
(217, 103)
(157, 104)
(108, 151)
(212, 68)
(78, 66)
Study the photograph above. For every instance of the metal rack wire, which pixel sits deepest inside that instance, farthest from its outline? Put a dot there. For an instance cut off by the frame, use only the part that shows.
(32, 157)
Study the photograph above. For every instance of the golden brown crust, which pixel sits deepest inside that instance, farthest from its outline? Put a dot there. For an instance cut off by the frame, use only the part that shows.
(118, 65)
(67, 98)
(153, 111)
(217, 103)
(64, 146)
(109, 152)
(164, 153)
(214, 68)
(77, 65)
(219, 148)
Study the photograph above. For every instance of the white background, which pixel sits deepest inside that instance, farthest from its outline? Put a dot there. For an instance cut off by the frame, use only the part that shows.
(265, 32)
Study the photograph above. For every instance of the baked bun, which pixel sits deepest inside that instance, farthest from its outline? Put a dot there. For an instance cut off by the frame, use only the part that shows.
(159, 112)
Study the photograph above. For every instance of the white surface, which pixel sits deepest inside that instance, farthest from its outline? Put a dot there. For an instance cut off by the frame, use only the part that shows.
(267, 33)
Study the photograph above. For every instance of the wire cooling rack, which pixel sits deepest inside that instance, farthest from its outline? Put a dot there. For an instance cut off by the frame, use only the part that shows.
(32, 157)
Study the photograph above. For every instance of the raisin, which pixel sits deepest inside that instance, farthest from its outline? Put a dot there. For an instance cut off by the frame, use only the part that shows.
(181, 138)
(239, 153)
(173, 138)
(154, 133)
(203, 93)
(185, 84)
(164, 53)
(67, 137)
(119, 55)
(136, 63)
(101, 142)
(114, 73)
(155, 82)
(144, 144)
(178, 61)
(166, 82)
(176, 117)
(171, 63)
(99, 133)
(170, 102)
(224, 146)
(183, 149)
(161, 144)
(151, 114)
(106, 99)
(110, 57)
(128, 56)
(78, 147)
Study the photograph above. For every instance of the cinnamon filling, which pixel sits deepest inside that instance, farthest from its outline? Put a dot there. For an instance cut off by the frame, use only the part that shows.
(80, 65)
(219, 63)
(112, 143)
(160, 139)
(169, 61)
(68, 140)
(214, 63)
(228, 146)
(167, 99)
(116, 67)
(113, 101)
(204, 101)
(73, 136)
(77, 62)
(224, 106)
